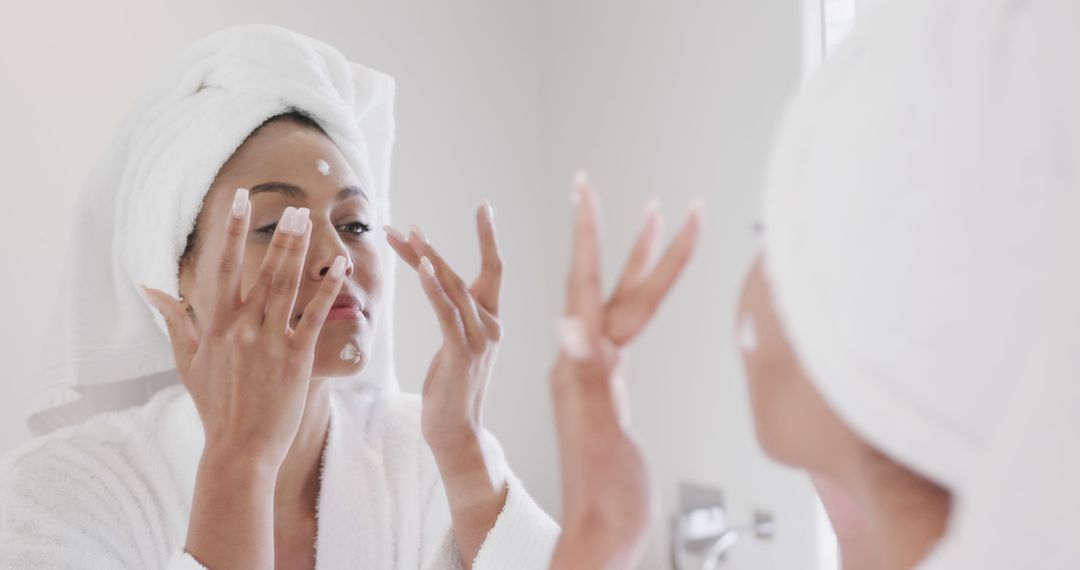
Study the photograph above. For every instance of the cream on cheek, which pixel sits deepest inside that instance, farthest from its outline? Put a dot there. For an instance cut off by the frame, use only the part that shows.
(747, 334)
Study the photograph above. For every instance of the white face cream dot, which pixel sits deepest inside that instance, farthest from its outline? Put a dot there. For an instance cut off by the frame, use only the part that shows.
(323, 166)
(573, 338)
(349, 353)
(748, 340)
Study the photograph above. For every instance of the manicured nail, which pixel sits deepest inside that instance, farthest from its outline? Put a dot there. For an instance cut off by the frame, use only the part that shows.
(581, 180)
(144, 293)
(337, 269)
(285, 222)
(489, 211)
(652, 207)
(427, 267)
(394, 233)
(240, 203)
(697, 209)
(419, 234)
(300, 221)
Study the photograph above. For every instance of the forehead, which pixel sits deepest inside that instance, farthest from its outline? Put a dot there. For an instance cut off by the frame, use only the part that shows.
(284, 148)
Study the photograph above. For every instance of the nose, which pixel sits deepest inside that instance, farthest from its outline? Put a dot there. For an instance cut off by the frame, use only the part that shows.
(326, 245)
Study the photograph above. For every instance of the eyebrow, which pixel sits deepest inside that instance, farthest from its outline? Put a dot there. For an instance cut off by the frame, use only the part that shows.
(294, 191)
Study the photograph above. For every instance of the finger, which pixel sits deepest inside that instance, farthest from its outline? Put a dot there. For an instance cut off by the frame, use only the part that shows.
(227, 295)
(182, 332)
(314, 314)
(453, 286)
(629, 317)
(643, 255)
(584, 295)
(400, 244)
(486, 286)
(445, 310)
(286, 282)
(255, 303)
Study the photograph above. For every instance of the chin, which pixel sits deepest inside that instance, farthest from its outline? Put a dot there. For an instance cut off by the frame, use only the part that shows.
(342, 357)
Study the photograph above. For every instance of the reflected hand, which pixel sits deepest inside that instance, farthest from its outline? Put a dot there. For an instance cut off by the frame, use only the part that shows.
(607, 500)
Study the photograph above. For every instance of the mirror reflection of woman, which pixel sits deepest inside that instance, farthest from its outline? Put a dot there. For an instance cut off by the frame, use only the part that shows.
(250, 191)
(909, 329)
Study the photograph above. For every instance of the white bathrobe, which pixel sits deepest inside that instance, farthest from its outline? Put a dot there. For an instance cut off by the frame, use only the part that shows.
(116, 493)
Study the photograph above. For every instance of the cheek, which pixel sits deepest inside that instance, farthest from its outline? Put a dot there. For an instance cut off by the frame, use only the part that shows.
(368, 273)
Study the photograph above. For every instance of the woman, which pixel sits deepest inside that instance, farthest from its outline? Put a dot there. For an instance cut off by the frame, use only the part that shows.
(919, 252)
(243, 192)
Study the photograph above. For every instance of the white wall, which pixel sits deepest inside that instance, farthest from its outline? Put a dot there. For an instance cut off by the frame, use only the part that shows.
(499, 99)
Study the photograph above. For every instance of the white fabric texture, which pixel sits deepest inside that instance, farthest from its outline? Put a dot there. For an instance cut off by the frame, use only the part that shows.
(108, 349)
(1023, 510)
(919, 204)
(115, 493)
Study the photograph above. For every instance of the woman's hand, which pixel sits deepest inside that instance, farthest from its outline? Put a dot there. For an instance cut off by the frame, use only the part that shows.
(457, 379)
(607, 500)
(248, 371)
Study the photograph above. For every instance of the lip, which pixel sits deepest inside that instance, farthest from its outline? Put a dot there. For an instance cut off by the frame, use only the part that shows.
(346, 307)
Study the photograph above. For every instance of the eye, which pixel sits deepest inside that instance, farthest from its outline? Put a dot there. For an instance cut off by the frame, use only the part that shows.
(267, 230)
(355, 228)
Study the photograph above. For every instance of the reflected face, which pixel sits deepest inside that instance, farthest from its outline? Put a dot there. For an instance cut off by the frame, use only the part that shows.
(285, 163)
(793, 423)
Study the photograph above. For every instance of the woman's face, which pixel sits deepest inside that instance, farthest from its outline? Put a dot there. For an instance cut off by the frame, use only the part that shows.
(794, 424)
(289, 164)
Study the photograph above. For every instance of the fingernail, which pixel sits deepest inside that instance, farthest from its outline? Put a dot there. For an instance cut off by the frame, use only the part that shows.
(581, 180)
(285, 223)
(300, 221)
(489, 211)
(419, 234)
(427, 267)
(337, 269)
(240, 203)
(394, 233)
(652, 207)
(144, 293)
(697, 209)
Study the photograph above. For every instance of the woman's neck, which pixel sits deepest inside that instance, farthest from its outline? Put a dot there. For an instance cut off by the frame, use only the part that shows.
(297, 487)
(907, 514)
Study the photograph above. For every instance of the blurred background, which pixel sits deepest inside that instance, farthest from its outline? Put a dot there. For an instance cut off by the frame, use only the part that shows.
(503, 100)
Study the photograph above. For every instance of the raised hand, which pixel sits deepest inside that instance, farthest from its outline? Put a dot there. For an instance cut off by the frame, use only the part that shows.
(457, 379)
(607, 500)
(248, 370)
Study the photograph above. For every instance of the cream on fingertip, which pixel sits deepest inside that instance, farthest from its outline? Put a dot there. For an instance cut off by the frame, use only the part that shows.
(573, 338)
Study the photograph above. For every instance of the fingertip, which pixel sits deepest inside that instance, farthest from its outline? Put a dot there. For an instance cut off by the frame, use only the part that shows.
(394, 234)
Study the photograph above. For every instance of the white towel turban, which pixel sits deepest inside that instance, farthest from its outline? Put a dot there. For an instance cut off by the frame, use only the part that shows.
(921, 211)
(109, 349)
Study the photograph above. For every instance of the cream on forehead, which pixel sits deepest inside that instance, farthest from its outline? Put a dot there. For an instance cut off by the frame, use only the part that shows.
(323, 166)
